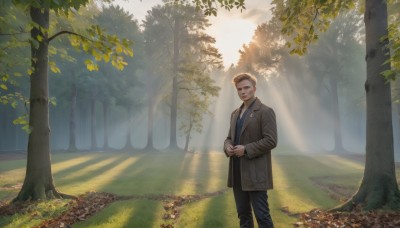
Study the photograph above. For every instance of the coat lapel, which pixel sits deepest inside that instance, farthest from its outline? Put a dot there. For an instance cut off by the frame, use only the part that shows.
(233, 123)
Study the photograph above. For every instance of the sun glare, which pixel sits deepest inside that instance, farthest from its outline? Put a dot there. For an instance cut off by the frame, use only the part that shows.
(231, 29)
(231, 34)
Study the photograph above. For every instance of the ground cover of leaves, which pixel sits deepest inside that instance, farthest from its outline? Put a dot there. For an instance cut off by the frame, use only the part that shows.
(88, 204)
(357, 219)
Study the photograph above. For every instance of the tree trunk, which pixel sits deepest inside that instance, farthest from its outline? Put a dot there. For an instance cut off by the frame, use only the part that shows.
(128, 144)
(3, 127)
(105, 119)
(13, 131)
(174, 97)
(396, 113)
(38, 183)
(150, 114)
(93, 120)
(186, 149)
(338, 143)
(72, 120)
(378, 188)
(396, 133)
(398, 118)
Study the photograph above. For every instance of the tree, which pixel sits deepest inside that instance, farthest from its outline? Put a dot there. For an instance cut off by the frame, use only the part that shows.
(38, 183)
(117, 87)
(157, 67)
(75, 78)
(185, 44)
(264, 54)
(335, 59)
(394, 39)
(14, 64)
(302, 20)
(197, 88)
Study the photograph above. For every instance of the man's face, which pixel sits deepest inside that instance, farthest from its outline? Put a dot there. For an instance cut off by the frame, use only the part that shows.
(245, 90)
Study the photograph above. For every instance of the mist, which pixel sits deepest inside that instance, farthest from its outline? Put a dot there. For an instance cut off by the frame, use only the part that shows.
(303, 117)
(116, 104)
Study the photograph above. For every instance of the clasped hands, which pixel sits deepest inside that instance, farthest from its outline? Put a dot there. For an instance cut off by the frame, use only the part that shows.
(237, 151)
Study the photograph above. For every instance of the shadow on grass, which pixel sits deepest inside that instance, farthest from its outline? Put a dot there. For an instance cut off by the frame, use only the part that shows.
(138, 178)
(73, 168)
(193, 175)
(9, 165)
(215, 210)
(127, 213)
(74, 176)
(171, 175)
(300, 174)
(26, 221)
(144, 215)
(297, 171)
(204, 173)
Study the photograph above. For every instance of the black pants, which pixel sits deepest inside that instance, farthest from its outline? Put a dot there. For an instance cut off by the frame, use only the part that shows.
(258, 200)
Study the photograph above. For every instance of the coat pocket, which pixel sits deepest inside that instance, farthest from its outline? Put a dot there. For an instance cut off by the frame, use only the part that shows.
(253, 172)
(258, 170)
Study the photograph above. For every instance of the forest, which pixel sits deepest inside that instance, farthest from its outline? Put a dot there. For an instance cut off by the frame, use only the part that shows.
(91, 98)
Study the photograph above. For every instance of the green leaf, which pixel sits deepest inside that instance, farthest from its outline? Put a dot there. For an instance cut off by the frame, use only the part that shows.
(29, 71)
(53, 101)
(96, 55)
(90, 65)
(27, 129)
(54, 68)
(85, 46)
(106, 57)
(118, 49)
(3, 86)
(14, 104)
(388, 74)
(23, 120)
(39, 38)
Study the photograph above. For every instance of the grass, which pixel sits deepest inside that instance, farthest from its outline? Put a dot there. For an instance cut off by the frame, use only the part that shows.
(35, 214)
(141, 174)
(128, 213)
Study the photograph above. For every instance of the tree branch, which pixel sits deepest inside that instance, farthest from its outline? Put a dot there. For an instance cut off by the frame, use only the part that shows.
(67, 32)
(12, 34)
(189, 89)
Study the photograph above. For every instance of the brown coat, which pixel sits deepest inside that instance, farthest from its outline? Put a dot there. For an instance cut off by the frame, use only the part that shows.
(259, 136)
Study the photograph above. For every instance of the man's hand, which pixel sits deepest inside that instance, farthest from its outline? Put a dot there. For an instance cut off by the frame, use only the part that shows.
(230, 150)
(238, 150)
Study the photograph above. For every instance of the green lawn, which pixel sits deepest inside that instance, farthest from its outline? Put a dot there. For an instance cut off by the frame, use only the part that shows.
(301, 183)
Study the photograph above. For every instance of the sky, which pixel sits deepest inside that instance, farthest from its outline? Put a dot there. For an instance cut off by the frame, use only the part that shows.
(231, 29)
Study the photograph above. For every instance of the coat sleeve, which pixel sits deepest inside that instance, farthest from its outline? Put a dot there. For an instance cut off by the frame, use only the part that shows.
(269, 135)
(228, 140)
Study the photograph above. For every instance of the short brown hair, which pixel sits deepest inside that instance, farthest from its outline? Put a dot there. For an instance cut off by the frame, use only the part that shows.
(244, 76)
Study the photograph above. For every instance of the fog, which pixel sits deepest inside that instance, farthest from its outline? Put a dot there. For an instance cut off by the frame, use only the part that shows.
(304, 125)
(304, 120)
(300, 91)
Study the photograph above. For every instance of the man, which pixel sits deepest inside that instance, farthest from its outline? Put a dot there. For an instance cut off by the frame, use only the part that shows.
(251, 137)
